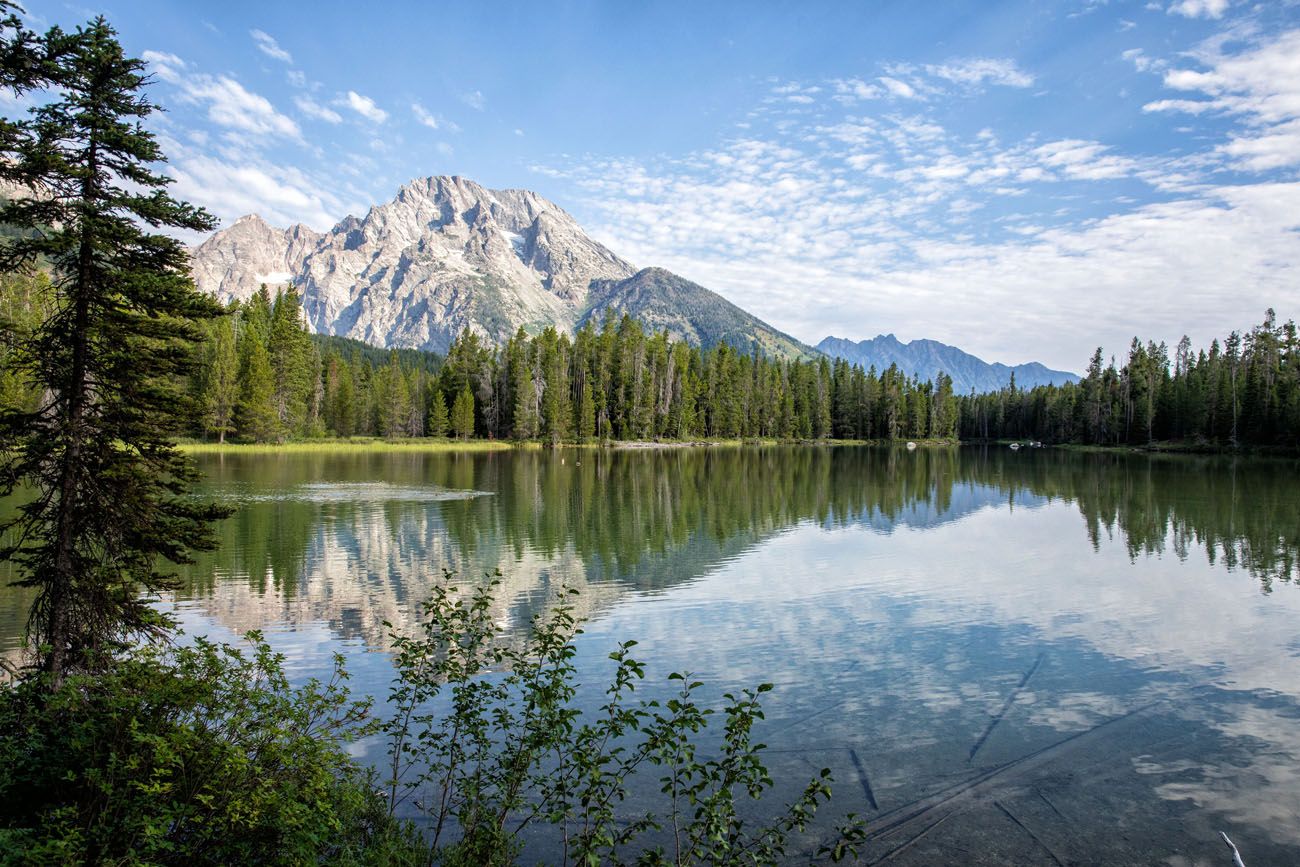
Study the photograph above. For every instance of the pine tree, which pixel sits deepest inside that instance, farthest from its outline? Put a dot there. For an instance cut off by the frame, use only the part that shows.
(523, 386)
(438, 421)
(395, 405)
(586, 413)
(290, 352)
(462, 414)
(110, 485)
(255, 412)
(221, 381)
(345, 402)
(416, 402)
(557, 411)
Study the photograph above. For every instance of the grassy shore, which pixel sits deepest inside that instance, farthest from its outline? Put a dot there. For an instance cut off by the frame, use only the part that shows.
(354, 444)
(428, 444)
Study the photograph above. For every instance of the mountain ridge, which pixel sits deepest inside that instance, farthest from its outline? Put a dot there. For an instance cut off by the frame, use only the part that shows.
(925, 358)
(447, 254)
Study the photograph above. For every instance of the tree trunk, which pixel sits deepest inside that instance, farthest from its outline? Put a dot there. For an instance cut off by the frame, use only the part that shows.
(60, 585)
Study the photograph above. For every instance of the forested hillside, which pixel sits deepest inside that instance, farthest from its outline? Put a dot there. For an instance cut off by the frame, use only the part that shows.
(1243, 391)
(265, 379)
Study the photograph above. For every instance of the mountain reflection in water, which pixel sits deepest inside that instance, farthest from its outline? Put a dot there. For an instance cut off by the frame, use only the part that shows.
(1005, 657)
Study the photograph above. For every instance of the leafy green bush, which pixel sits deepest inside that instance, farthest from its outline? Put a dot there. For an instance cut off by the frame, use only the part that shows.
(199, 755)
(486, 742)
(206, 755)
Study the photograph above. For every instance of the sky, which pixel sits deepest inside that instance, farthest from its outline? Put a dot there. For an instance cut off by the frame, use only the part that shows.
(1026, 180)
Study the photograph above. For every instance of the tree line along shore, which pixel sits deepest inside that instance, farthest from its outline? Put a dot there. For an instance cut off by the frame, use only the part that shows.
(262, 378)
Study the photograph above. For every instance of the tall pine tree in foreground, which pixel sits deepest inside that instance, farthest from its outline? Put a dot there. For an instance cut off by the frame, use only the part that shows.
(108, 488)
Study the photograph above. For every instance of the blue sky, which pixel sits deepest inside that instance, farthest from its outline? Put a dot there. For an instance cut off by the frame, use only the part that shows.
(1025, 179)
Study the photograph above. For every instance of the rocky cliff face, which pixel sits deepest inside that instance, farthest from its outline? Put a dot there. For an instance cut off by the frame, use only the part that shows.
(444, 255)
(233, 263)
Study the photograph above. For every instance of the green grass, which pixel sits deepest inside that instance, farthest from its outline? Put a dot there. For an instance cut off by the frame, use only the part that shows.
(377, 445)
(353, 445)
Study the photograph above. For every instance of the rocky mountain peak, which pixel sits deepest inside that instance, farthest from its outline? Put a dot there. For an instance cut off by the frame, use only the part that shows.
(445, 253)
(234, 263)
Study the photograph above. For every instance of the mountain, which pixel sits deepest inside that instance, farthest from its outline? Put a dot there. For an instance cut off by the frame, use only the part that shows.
(447, 254)
(925, 359)
(660, 299)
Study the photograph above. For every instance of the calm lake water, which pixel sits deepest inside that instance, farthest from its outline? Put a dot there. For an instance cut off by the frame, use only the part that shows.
(1030, 657)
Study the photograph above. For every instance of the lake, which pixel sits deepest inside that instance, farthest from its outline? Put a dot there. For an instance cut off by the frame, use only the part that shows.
(1033, 657)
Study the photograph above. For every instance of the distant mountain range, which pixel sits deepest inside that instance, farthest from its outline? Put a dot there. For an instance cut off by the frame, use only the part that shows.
(925, 359)
(447, 254)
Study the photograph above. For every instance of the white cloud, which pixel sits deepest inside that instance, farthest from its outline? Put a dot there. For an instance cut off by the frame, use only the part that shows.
(1276, 148)
(313, 109)
(1141, 62)
(1083, 159)
(975, 71)
(1199, 8)
(281, 196)
(851, 89)
(164, 65)
(364, 106)
(898, 88)
(1261, 86)
(422, 116)
(873, 216)
(268, 46)
(228, 103)
(474, 99)
(237, 184)
(427, 118)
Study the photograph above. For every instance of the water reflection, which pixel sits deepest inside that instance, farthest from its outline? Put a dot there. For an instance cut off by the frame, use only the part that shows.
(299, 551)
(354, 541)
(1033, 657)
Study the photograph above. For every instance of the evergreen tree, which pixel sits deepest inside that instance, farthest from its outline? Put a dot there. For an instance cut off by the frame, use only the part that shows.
(556, 408)
(221, 381)
(438, 420)
(395, 400)
(110, 485)
(290, 353)
(345, 402)
(523, 386)
(462, 414)
(586, 414)
(255, 412)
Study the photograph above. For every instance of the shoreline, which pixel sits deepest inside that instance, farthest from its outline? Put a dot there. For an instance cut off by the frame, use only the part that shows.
(378, 445)
(444, 445)
(1160, 447)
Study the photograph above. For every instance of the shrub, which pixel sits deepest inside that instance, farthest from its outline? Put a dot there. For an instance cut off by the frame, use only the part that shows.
(198, 755)
(206, 755)
(509, 751)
